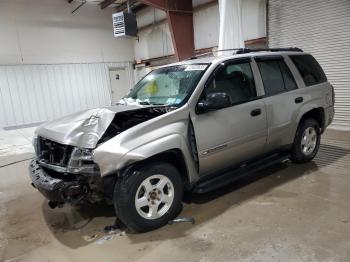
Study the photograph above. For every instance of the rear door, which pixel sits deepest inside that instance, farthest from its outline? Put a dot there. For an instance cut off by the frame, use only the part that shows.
(283, 100)
(234, 134)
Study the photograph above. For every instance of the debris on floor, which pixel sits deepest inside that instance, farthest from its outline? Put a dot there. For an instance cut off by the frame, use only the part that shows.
(112, 230)
(116, 228)
(90, 238)
(103, 240)
(182, 220)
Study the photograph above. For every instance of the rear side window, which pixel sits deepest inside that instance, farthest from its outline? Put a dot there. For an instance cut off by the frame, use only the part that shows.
(276, 76)
(309, 69)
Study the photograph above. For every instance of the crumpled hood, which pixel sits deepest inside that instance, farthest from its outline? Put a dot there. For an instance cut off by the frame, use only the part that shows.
(83, 129)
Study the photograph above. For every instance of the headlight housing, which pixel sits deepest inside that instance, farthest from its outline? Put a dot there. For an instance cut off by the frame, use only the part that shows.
(80, 158)
(82, 154)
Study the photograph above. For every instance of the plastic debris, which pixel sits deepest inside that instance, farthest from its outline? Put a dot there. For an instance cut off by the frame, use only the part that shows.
(90, 238)
(181, 220)
(104, 239)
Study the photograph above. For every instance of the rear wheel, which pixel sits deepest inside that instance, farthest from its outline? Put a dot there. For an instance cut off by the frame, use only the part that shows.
(147, 197)
(306, 142)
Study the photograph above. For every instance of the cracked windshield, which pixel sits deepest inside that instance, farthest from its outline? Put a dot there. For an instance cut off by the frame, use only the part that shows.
(166, 86)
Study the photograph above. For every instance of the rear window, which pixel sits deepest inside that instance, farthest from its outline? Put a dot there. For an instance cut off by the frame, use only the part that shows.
(309, 68)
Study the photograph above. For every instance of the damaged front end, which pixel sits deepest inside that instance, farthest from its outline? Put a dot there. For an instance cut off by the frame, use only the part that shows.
(64, 170)
(65, 174)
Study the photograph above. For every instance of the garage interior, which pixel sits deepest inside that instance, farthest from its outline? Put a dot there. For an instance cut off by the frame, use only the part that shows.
(58, 57)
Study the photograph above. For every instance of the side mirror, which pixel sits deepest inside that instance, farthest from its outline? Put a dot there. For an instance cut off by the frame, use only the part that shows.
(214, 101)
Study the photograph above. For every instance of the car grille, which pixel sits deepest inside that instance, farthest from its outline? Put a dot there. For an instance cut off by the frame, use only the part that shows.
(53, 153)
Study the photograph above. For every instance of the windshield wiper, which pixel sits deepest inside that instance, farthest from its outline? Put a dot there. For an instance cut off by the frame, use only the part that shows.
(149, 103)
(144, 103)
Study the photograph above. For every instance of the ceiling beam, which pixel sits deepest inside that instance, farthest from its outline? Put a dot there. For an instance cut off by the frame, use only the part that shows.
(159, 4)
(124, 6)
(106, 3)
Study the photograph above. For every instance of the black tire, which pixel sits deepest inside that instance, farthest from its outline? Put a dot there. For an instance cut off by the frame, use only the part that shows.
(127, 186)
(297, 154)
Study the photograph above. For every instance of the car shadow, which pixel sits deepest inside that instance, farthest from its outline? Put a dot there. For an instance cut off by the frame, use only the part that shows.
(73, 226)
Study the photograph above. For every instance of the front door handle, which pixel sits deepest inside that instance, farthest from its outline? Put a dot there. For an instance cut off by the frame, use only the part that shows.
(255, 112)
(299, 100)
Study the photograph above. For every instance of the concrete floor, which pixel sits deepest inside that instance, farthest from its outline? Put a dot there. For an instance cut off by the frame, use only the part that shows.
(286, 213)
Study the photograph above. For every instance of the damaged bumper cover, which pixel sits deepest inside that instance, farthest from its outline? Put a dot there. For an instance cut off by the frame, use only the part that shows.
(57, 189)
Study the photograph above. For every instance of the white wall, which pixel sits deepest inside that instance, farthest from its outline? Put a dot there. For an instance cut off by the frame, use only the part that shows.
(149, 15)
(254, 19)
(206, 23)
(37, 93)
(52, 62)
(153, 42)
(45, 32)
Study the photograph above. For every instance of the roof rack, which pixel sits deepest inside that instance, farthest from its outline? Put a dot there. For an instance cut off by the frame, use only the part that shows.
(248, 50)
(214, 51)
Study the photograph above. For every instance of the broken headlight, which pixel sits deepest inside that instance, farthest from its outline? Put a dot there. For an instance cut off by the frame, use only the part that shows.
(80, 157)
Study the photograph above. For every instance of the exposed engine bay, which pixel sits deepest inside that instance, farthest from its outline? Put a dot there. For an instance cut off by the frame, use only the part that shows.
(127, 119)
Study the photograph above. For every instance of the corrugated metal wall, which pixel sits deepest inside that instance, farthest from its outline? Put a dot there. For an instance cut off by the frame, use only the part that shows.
(322, 28)
(36, 93)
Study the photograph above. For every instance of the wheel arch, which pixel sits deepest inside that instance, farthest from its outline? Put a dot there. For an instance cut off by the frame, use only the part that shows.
(317, 113)
(172, 156)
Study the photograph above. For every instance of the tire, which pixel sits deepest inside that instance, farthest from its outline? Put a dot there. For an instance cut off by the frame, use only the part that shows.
(306, 142)
(158, 201)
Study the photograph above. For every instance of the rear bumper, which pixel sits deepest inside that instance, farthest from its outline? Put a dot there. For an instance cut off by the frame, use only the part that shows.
(329, 115)
(57, 189)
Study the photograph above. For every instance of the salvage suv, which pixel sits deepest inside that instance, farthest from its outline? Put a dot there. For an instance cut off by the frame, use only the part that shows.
(192, 126)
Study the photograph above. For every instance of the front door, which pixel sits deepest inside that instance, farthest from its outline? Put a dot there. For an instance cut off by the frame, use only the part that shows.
(119, 83)
(232, 135)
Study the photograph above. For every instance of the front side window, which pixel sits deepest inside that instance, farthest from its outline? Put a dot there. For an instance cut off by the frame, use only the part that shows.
(236, 80)
(166, 86)
(276, 76)
(309, 69)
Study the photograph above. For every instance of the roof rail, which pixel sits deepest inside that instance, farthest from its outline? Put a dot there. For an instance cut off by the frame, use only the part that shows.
(214, 51)
(248, 50)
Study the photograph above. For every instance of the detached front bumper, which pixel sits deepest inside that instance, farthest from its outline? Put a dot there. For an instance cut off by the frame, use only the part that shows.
(59, 188)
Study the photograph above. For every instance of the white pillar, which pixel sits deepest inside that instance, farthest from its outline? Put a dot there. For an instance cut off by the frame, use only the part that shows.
(231, 33)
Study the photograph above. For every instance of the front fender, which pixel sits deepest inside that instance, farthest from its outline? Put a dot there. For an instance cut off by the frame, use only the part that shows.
(110, 162)
(164, 144)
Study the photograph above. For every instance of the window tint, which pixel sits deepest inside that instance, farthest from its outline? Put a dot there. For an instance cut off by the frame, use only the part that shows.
(236, 80)
(309, 68)
(288, 78)
(276, 76)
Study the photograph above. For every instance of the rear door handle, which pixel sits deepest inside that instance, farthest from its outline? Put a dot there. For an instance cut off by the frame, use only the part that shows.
(299, 100)
(255, 112)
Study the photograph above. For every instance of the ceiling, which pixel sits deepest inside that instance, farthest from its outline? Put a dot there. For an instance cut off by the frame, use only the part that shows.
(120, 5)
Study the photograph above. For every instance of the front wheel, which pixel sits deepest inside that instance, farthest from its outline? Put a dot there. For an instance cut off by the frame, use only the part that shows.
(147, 197)
(306, 142)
